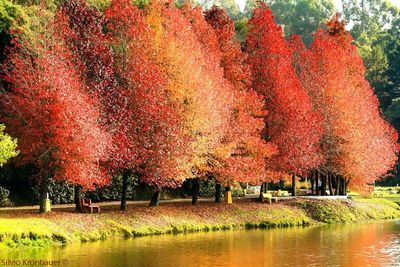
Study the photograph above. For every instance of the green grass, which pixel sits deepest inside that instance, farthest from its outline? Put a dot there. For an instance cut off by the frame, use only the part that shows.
(386, 188)
(30, 232)
(381, 193)
(393, 199)
(360, 209)
(64, 227)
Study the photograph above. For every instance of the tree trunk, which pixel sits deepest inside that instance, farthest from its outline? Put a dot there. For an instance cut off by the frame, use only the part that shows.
(155, 199)
(336, 185)
(195, 190)
(44, 190)
(330, 184)
(312, 185)
(294, 184)
(323, 193)
(261, 191)
(218, 192)
(78, 197)
(341, 187)
(125, 177)
(317, 188)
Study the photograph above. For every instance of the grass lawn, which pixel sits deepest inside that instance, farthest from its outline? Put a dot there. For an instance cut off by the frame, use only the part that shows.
(64, 226)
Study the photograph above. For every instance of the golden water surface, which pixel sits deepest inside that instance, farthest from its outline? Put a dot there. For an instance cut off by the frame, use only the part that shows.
(374, 244)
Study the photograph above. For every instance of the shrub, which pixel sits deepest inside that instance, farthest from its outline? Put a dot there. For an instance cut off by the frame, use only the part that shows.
(237, 192)
(60, 192)
(207, 188)
(4, 197)
(114, 189)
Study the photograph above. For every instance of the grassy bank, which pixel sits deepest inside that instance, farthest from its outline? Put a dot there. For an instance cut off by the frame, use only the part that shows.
(27, 228)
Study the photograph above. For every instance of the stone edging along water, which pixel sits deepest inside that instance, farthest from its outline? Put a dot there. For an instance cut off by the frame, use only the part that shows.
(62, 228)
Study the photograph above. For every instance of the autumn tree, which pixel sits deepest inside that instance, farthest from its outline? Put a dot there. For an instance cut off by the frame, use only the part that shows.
(194, 79)
(151, 142)
(83, 27)
(243, 150)
(291, 123)
(89, 44)
(92, 47)
(48, 110)
(209, 46)
(360, 146)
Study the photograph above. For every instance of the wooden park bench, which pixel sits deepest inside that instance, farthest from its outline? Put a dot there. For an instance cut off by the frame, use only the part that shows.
(267, 197)
(88, 206)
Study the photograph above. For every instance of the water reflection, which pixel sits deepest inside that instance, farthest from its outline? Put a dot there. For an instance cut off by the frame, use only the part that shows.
(376, 244)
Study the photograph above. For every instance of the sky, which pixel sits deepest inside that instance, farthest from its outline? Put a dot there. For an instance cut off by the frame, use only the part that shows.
(242, 3)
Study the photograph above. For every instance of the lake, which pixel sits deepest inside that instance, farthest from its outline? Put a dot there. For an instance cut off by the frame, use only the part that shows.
(373, 244)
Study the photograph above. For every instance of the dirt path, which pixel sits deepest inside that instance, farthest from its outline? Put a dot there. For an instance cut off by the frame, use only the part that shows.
(141, 202)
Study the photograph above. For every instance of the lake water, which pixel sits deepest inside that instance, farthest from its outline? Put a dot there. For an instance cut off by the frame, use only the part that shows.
(374, 244)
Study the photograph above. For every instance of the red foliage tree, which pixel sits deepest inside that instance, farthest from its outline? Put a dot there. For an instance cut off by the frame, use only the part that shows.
(48, 110)
(245, 158)
(88, 41)
(187, 52)
(82, 28)
(83, 32)
(359, 144)
(189, 56)
(158, 147)
(291, 123)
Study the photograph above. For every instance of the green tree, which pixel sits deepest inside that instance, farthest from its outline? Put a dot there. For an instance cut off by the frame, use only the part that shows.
(375, 60)
(370, 16)
(392, 51)
(11, 16)
(8, 146)
(371, 22)
(230, 6)
(301, 17)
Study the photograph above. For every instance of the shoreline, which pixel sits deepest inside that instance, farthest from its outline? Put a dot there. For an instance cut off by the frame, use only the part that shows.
(20, 228)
